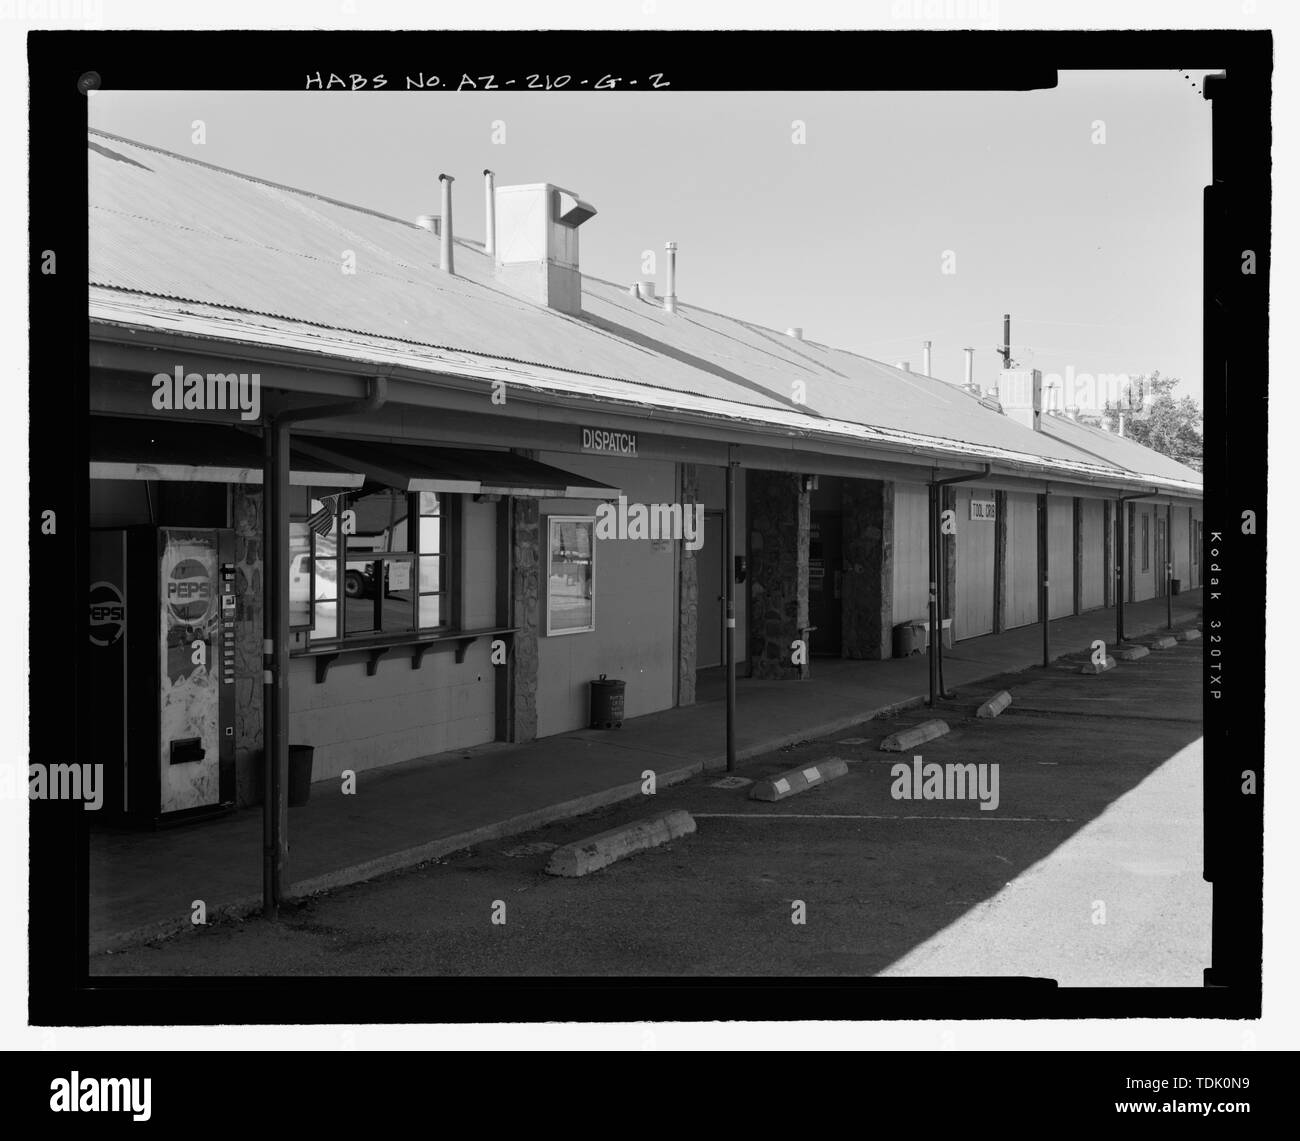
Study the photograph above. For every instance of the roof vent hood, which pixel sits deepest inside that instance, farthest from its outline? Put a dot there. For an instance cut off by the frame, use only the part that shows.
(537, 243)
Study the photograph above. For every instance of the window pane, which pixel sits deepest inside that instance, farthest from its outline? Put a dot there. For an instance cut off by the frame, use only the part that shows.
(325, 604)
(399, 594)
(327, 621)
(430, 610)
(569, 576)
(430, 573)
(429, 503)
(359, 591)
(299, 575)
(430, 535)
(380, 522)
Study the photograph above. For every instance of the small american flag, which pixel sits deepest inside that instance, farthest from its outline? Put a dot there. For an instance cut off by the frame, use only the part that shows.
(322, 522)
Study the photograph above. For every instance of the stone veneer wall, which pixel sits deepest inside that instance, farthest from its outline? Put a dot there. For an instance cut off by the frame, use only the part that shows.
(525, 613)
(868, 586)
(779, 514)
(688, 597)
(246, 519)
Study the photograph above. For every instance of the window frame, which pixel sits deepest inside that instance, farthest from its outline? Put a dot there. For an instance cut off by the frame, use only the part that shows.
(449, 520)
(1146, 542)
(551, 521)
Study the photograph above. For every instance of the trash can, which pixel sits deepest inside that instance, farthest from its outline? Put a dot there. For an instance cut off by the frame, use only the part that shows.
(607, 703)
(1175, 584)
(909, 639)
(300, 757)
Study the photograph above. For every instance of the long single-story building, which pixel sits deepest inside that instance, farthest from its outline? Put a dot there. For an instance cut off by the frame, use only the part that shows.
(508, 478)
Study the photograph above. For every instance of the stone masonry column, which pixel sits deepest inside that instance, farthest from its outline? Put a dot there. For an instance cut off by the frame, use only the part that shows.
(525, 614)
(780, 515)
(867, 597)
(689, 596)
(246, 517)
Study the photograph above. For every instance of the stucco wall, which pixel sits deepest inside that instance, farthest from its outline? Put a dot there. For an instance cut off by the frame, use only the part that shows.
(1022, 559)
(911, 574)
(976, 541)
(1060, 555)
(636, 598)
(1093, 541)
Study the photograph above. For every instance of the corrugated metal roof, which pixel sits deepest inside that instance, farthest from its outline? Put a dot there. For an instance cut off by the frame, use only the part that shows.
(1120, 451)
(262, 263)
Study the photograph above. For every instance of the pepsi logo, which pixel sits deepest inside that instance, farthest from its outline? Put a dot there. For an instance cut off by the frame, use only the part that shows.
(107, 613)
(189, 591)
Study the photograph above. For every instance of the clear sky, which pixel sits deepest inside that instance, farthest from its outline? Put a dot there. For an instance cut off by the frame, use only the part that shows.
(1093, 248)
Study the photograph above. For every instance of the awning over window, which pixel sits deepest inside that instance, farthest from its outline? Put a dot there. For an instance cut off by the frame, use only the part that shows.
(410, 467)
(123, 448)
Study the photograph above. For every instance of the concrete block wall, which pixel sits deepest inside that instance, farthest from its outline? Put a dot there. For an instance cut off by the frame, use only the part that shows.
(361, 722)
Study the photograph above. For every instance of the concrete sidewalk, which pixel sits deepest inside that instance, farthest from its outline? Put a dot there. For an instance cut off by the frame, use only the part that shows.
(143, 884)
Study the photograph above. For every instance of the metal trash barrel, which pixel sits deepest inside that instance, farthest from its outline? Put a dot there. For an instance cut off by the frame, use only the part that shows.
(1176, 585)
(909, 639)
(300, 759)
(607, 703)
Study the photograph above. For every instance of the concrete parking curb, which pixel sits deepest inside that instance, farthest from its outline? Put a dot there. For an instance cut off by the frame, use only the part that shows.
(1165, 642)
(1130, 653)
(599, 851)
(798, 780)
(1192, 635)
(917, 735)
(995, 705)
(1099, 668)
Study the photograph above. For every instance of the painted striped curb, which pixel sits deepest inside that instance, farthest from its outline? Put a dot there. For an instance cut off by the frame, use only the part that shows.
(995, 705)
(917, 735)
(584, 856)
(798, 780)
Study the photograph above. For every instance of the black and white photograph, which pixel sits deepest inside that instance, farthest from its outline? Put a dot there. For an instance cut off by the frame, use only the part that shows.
(666, 514)
(610, 608)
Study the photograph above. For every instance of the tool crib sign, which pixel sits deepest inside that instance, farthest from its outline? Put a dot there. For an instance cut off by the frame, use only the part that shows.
(983, 510)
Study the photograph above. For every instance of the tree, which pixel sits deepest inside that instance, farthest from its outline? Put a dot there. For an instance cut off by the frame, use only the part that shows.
(1164, 423)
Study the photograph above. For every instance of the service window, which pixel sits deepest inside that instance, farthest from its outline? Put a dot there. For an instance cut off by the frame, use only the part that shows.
(570, 574)
(359, 551)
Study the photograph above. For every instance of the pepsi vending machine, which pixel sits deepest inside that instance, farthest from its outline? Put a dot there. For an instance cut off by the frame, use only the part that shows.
(162, 632)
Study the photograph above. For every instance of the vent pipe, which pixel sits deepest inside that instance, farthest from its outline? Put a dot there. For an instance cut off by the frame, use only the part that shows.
(490, 213)
(446, 261)
(970, 370)
(670, 298)
(795, 331)
(925, 358)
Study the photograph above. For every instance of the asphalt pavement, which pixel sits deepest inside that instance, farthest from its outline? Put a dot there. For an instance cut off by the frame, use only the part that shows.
(1087, 870)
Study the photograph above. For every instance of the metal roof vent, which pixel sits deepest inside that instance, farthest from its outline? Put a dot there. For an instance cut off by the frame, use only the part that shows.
(537, 243)
(430, 222)
(795, 331)
(645, 289)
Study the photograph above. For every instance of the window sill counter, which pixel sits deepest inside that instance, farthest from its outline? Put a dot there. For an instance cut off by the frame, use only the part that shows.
(418, 644)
